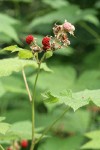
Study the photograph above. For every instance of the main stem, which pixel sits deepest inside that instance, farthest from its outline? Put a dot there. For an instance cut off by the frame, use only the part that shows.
(33, 109)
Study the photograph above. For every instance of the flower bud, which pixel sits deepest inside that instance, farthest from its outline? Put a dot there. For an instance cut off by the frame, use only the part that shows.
(69, 27)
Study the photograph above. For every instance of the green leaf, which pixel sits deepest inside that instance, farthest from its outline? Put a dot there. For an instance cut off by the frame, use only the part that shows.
(76, 100)
(20, 130)
(10, 31)
(84, 81)
(71, 143)
(7, 19)
(65, 51)
(77, 122)
(2, 89)
(10, 65)
(10, 48)
(62, 77)
(56, 3)
(50, 98)
(10, 82)
(49, 54)
(2, 119)
(66, 12)
(26, 54)
(4, 127)
(7, 28)
(15, 48)
(95, 140)
(25, 1)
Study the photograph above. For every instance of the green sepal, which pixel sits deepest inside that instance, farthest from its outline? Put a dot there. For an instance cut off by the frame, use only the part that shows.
(48, 54)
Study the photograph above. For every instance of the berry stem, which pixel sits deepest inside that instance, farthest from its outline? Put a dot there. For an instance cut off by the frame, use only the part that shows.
(33, 109)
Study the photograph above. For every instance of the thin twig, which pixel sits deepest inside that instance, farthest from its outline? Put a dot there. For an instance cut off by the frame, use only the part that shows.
(50, 127)
(26, 84)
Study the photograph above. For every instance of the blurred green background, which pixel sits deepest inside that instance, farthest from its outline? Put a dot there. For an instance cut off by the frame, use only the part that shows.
(76, 67)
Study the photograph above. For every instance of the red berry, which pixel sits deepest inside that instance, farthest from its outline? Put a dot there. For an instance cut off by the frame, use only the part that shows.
(46, 43)
(46, 47)
(46, 40)
(24, 143)
(29, 39)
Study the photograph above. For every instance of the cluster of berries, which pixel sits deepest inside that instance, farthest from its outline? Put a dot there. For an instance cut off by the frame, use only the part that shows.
(59, 40)
(18, 146)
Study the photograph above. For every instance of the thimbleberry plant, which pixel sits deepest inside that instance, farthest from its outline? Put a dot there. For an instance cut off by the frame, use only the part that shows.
(49, 44)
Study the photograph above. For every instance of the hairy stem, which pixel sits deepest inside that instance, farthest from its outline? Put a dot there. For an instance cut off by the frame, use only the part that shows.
(26, 84)
(50, 127)
(1, 147)
(33, 111)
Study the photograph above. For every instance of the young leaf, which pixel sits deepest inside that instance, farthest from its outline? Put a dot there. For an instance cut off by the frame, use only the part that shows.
(26, 54)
